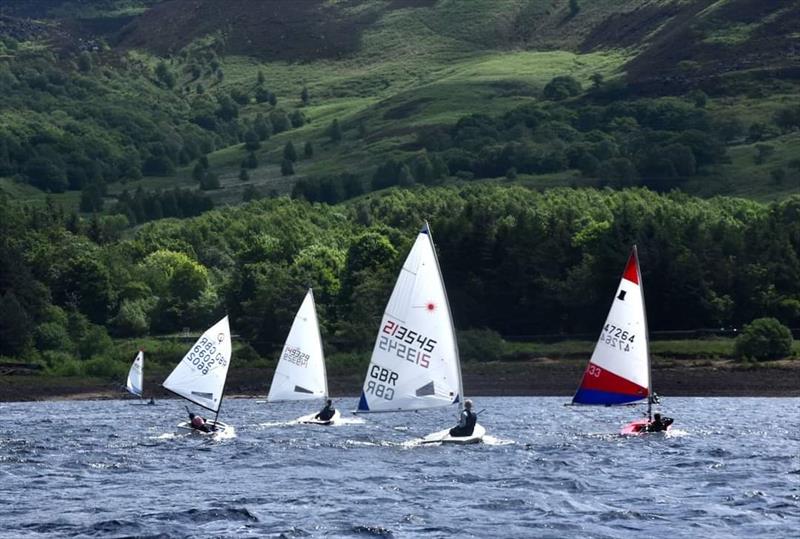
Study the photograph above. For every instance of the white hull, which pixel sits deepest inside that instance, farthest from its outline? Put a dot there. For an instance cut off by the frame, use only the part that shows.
(309, 419)
(185, 428)
(443, 437)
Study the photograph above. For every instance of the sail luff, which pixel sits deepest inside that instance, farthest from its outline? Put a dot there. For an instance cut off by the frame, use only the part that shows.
(460, 395)
(647, 337)
(319, 337)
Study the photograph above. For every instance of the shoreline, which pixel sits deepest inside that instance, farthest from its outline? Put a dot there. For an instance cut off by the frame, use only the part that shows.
(533, 378)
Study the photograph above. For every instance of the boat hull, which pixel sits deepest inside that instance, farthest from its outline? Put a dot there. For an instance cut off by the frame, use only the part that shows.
(637, 427)
(309, 419)
(184, 427)
(443, 437)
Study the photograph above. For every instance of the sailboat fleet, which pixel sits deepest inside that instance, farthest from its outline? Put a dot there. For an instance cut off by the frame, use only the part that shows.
(415, 362)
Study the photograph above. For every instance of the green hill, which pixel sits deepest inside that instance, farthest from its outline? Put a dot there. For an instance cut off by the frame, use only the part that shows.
(113, 96)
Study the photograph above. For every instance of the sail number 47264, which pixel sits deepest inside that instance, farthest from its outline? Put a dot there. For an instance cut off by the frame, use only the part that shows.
(617, 337)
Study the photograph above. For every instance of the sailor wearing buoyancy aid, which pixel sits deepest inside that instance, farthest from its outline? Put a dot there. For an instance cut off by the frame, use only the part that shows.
(466, 422)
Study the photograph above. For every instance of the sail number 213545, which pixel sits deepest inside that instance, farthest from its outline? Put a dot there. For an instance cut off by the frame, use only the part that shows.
(617, 337)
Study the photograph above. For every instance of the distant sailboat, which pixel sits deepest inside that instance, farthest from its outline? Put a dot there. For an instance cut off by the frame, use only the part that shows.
(415, 363)
(200, 376)
(300, 374)
(135, 381)
(619, 369)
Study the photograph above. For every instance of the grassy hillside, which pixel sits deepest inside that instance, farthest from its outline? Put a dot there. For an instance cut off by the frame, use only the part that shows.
(392, 71)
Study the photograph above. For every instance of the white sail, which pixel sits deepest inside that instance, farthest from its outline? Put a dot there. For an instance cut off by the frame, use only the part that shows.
(619, 370)
(300, 374)
(135, 382)
(200, 376)
(415, 362)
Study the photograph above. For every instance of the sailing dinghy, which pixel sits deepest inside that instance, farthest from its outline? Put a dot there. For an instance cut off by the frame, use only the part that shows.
(415, 363)
(300, 374)
(135, 382)
(619, 369)
(200, 376)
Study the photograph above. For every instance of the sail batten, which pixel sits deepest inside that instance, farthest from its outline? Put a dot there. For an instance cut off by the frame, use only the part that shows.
(300, 374)
(414, 363)
(619, 369)
(200, 376)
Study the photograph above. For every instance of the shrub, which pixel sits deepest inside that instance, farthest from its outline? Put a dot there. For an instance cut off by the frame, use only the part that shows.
(103, 367)
(62, 364)
(52, 336)
(762, 339)
(481, 345)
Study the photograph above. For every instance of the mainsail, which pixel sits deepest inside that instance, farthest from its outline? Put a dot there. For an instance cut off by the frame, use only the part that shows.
(300, 373)
(134, 383)
(415, 363)
(200, 376)
(619, 370)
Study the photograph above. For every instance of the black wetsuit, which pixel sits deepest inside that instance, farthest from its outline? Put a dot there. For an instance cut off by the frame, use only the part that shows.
(466, 425)
(326, 413)
(659, 424)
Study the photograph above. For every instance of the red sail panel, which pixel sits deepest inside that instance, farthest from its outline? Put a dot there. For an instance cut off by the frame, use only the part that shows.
(599, 379)
(631, 270)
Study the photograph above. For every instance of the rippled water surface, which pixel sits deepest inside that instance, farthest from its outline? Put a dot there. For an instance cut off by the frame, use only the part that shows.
(114, 469)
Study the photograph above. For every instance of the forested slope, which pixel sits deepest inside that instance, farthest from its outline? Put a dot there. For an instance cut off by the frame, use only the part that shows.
(515, 261)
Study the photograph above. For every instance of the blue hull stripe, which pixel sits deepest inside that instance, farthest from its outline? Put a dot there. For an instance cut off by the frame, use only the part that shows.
(362, 404)
(594, 396)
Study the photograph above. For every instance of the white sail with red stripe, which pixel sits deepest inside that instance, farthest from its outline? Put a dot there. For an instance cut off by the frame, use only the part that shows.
(619, 370)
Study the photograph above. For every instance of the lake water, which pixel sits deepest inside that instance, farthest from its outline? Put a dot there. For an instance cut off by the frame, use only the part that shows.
(731, 468)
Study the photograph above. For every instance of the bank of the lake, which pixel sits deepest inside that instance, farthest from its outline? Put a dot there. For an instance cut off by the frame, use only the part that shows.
(537, 377)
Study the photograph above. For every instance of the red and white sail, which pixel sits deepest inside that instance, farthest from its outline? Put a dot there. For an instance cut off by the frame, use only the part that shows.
(619, 370)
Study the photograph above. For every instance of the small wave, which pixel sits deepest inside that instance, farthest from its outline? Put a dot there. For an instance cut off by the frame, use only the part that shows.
(208, 515)
(165, 436)
(271, 424)
(676, 433)
(227, 434)
(492, 440)
(373, 531)
(349, 421)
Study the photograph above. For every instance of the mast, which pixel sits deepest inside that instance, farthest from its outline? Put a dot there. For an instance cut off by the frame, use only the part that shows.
(452, 325)
(319, 335)
(646, 337)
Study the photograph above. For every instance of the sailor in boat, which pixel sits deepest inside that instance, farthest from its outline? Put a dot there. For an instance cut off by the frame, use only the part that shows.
(466, 423)
(327, 412)
(199, 423)
(659, 424)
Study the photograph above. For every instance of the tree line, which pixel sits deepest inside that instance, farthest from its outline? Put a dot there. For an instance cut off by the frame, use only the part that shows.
(515, 261)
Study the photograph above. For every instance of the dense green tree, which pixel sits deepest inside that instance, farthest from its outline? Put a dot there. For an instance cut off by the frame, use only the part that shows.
(16, 331)
(262, 127)
(289, 153)
(561, 87)
(335, 131)
(251, 141)
(251, 161)
(287, 168)
(308, 150)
